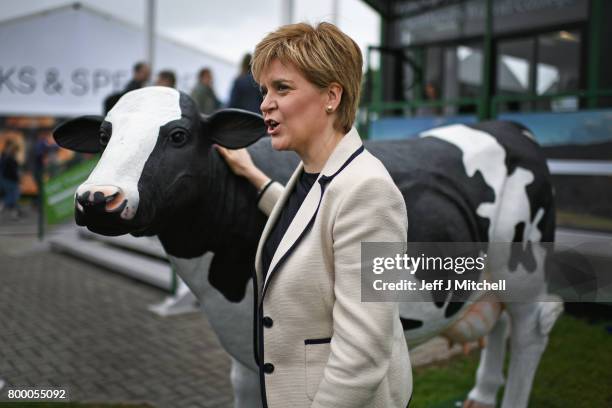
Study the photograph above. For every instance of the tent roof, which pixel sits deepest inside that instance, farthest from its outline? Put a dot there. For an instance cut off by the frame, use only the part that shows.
(93, 10)
(70, 58)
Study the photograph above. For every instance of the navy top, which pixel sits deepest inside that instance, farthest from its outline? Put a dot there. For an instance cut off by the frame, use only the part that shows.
(292, 205)
(246, 94)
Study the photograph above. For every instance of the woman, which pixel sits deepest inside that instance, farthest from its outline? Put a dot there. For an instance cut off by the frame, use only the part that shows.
(318, 345)
(245, 94)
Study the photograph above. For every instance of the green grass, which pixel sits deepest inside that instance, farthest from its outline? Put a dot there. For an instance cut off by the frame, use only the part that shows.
(585, 221)
(575, 371)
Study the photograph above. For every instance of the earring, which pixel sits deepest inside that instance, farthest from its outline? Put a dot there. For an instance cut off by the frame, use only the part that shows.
(329, 109)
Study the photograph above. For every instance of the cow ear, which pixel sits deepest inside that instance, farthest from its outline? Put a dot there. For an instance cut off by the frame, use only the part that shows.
(80, 134)
(234, 128)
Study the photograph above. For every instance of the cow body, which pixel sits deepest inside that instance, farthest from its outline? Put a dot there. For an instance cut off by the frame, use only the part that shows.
(481, 183)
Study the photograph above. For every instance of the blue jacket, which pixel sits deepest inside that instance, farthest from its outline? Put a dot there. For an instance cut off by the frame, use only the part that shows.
(246, 94)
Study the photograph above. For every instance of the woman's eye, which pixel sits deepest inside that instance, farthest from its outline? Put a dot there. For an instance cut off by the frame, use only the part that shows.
(282, 88)
(104, 138)
(178, 137)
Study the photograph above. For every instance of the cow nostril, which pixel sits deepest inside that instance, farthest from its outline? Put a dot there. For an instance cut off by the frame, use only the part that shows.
(102, 199)
(98, 198)
(114, 201)
(87, 199)
(109, 198)
(83, 199)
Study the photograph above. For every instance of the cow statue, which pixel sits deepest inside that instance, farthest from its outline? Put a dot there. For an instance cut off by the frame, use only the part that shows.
(159, 174)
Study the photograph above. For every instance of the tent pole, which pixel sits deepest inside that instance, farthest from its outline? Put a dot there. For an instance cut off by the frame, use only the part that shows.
(335, 12)
(484, 108)
(286, 12)
(150, 33)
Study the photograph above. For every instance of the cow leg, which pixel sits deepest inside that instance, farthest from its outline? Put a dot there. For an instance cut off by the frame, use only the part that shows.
(245, 383)
(530, 325)
(490, 376)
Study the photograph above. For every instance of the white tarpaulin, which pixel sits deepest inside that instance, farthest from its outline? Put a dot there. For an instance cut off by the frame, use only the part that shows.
(66, 61)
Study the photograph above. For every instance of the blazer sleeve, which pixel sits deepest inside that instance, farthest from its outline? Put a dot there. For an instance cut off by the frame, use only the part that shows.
(269, 197)
(362, 341)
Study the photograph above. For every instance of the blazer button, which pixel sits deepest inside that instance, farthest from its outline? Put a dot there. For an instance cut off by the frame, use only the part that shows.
(268, 368)
(267, 322)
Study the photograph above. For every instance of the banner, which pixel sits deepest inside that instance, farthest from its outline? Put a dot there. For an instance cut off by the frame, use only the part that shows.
(59, 191)
(65, 62)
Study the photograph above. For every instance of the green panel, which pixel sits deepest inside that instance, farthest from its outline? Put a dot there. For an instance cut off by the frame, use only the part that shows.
(59, 191)
(594, 49)
(487, 65)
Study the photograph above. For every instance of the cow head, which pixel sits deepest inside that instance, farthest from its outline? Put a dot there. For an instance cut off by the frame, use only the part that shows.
(155, 146)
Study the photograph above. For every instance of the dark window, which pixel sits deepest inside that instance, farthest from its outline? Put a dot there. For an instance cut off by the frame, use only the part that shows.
(558, 69)
(545, 64)
(462, 76)
(515, 59)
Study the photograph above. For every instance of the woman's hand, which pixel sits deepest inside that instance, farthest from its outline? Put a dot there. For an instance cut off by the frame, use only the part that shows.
(241, 164)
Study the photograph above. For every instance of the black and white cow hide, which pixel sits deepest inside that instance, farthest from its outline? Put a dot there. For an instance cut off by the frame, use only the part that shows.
(160, 175)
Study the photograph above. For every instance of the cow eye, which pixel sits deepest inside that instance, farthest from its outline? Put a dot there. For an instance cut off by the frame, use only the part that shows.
(178, 137)
(104, 138)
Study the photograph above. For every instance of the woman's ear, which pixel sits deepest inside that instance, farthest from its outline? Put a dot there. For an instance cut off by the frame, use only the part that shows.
(334, 96)
(233, 128)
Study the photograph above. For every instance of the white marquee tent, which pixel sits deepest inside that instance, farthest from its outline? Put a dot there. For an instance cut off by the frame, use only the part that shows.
(65, 61)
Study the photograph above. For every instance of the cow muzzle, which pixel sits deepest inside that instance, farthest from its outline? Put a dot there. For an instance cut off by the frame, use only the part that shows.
(104, 209)
(101, 199)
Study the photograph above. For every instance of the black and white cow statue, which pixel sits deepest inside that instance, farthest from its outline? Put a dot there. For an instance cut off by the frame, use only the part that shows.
(159, 174)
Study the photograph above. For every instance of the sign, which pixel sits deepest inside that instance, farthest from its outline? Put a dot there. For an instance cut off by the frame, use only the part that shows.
(467, 19)
(66, 61)
(59, 191)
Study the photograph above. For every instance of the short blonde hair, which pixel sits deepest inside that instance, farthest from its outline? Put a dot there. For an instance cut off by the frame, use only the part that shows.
(323, 54)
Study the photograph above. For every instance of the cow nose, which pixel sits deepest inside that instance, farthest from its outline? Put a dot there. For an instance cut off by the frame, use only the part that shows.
(102, 199)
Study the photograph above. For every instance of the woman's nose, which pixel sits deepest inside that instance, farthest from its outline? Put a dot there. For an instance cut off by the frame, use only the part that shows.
(267, 104)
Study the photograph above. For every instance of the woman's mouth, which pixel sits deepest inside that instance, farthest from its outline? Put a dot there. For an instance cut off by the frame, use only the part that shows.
(272, 126)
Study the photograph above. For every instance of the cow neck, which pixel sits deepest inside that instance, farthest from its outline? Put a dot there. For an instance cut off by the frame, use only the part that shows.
(234, 220)
(185, 236)
(223, 219)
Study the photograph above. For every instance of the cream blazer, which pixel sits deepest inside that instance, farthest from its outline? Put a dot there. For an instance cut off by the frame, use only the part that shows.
(317, 344)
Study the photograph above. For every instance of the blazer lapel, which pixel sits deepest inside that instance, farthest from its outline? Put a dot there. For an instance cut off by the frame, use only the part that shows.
(339, 158)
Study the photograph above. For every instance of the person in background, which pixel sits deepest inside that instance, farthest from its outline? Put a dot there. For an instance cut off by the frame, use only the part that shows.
(2, 190)
(140, 77)
(166, 78)
(203, 93)
(10, 178)
(41, 151)
(245, 92)
(430, 94)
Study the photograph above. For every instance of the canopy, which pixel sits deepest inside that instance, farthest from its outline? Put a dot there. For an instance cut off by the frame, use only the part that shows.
(66, 61)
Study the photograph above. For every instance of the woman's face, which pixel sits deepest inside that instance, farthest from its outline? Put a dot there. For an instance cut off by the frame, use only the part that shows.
(293, 108)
